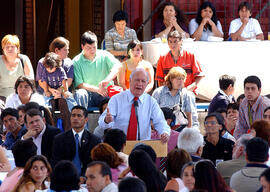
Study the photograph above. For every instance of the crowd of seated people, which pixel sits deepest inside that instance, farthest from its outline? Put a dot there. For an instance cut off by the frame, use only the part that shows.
(50, 159)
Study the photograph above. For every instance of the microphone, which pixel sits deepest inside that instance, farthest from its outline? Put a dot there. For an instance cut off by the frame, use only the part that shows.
(136, 104)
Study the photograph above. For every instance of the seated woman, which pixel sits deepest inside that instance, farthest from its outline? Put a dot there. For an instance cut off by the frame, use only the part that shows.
(144, 168)
(245, 28)
(104, 152)
(12, 65)
(206, 23)
(22, 150)
(36, 171)
(24, 93)
(60, 46)
(187, 175)
(169, 20)
(176, 159)
(135, 60)
(170, 94)
(207, 178)
(117, 38)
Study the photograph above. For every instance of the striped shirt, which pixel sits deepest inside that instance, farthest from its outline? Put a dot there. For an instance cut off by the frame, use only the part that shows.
(114, 41)
(257, 110)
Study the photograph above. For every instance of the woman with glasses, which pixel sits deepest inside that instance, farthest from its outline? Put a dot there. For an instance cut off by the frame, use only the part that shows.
(135, 60)
(216, 147)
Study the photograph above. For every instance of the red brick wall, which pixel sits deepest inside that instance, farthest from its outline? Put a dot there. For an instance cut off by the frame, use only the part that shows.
(28, 30)
(99, 19)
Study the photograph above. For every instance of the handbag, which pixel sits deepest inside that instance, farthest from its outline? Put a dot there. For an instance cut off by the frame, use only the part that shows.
(180, 116)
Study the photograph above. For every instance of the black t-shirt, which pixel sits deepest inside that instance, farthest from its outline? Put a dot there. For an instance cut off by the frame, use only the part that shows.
(223, 150)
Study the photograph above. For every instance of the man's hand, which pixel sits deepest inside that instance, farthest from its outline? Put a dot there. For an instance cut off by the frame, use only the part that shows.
(102, 91)
(103, 83)
(29, 134)
(164, 137)
(108, 118)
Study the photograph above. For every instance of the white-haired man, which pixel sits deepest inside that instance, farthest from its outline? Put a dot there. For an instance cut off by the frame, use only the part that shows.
(227, 168)
(191, 140)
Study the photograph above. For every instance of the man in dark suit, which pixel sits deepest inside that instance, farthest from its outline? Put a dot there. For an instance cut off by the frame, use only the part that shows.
(41, 134)
(224, 95)
(75, 144)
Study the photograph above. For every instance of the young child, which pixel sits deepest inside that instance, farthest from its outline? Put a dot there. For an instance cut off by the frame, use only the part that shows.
(54, 80)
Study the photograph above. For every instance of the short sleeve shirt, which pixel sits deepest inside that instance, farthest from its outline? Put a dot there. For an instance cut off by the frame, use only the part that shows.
(93, 72)
(253, 26)
(186, 60)
(54, 80)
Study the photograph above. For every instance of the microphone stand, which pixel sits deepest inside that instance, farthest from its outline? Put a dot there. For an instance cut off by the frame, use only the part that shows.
(150, 16)
(136, 112)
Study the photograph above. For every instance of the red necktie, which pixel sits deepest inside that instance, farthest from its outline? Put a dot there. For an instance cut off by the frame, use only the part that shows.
(132, 126)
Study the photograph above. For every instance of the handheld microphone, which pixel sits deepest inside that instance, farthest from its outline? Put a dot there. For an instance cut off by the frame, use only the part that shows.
(136, 104)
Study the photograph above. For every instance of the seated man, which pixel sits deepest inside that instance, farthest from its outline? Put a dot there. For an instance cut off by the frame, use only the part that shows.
(41, 133)
(216, 147)
(10, 119)
(245, 27)
(252, 106)
(224, 95)
(75, 144)
(93, 71)
(121, 111)
(227, 168)
(99, 177)
(191, 140)
(181, 58)
(247, 179)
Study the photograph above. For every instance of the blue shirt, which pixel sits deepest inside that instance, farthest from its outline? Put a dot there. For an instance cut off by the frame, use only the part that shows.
(165, 99)
(148, 109)
(10, 140)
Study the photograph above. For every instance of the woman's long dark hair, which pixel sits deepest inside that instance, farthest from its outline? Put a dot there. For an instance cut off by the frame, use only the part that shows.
(26, 177)
(199, 15)
(143, 167)
(181, 18)
(208, 178)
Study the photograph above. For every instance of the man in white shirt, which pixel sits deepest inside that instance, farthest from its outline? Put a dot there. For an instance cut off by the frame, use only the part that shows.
(245, 27)
(99, 178)
(119, 110)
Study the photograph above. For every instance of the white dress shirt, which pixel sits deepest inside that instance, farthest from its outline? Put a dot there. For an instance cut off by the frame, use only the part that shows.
(38, 140)
(148, 109)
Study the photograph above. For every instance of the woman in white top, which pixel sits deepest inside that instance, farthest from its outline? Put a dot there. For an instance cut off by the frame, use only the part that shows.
(245, 28)
(24, 93)
(12, 64)
(206, 23)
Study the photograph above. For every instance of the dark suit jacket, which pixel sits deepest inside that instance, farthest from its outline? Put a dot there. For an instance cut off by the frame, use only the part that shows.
(64, 147)
(219, 101)
(47, 141)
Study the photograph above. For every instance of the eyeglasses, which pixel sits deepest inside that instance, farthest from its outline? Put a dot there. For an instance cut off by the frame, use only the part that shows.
(210, 123)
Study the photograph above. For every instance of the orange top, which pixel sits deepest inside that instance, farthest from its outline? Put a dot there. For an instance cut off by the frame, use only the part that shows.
(142, 64)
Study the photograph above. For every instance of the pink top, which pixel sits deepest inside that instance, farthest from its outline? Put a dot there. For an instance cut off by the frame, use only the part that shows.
(10, 182)
(116, 172)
